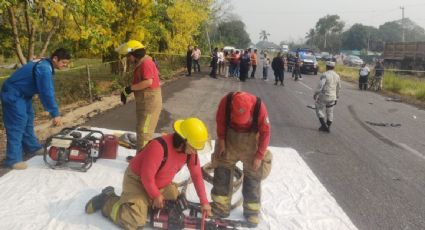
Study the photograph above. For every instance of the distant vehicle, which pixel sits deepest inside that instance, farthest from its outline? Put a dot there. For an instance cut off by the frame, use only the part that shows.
(328, 57)
(325, 54)
(309, 63)
(352, 60)
(405, 55)
(228, 48)
(285, 48)
(318, 56)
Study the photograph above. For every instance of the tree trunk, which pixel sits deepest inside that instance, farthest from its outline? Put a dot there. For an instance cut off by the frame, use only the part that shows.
(18, 49)
(46, 43)
(31, 33)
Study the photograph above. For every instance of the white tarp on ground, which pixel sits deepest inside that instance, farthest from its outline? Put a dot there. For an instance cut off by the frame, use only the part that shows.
(42, 198)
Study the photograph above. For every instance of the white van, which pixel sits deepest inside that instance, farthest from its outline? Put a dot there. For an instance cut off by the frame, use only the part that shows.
(285, 48)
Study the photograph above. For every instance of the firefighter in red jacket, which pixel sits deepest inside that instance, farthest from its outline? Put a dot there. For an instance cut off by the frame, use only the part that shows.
(243, 131)
(148, 178)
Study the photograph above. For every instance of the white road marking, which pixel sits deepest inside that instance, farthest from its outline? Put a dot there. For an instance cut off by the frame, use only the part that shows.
(308, 87)
(412, 150)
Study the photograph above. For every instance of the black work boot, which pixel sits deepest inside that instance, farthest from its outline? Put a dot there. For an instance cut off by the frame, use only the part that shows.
(252, 220)
(323, 127)
(96, 203)
(329, 123)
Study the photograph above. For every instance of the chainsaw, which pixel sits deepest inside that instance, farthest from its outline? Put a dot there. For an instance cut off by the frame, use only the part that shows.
(77, 148)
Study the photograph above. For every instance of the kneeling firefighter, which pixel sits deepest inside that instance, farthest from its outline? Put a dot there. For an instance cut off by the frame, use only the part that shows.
(146, 88)
(243, 131)
(148, 178)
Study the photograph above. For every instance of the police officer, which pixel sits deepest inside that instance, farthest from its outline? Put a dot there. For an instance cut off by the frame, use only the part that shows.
(146, 88)
(326, 96)
(35, 77)
(243, 131)
(148, 179)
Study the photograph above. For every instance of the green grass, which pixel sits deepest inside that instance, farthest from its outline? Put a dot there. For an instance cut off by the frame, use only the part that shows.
(405, 85)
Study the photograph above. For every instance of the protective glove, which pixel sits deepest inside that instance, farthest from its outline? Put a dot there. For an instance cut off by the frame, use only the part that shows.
(124, 94)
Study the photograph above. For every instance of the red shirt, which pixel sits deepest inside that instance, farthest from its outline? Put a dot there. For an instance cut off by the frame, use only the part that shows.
(263, 124)
(147, 162)
(145, 71)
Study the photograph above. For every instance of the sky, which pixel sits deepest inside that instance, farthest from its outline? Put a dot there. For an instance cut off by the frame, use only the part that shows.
(291, 20)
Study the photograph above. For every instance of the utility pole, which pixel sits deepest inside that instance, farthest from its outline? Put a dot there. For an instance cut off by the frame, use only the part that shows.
(402, 23)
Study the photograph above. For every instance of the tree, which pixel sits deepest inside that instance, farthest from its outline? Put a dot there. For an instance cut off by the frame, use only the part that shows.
(327, 33)
(187, 19)
(233, 33)
(392, 31)
(90, 27)
(264, 35)
(360, 37)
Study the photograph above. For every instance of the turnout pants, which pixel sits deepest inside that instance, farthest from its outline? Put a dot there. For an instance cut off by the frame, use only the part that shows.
(239, 147)
(131, 209)
(148, 109)
(18, 119)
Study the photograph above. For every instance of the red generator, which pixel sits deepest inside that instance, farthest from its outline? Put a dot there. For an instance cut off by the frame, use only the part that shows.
(78, 148)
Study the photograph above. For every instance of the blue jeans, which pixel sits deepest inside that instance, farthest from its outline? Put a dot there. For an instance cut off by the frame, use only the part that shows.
(265, 72)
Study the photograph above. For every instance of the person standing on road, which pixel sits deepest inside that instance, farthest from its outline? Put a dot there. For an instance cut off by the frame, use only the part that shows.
(296, 72)
(148, 179)
(189, 60)
(35, 77)
(379, 75)
(243, 131)
(266, 64)
(226, 64)
(363, 77)
(220, 55)
(196, 55)
(254, 63)
(326, 96)
(244, 66)
(278, 68)
(214, 63)
(146, 88)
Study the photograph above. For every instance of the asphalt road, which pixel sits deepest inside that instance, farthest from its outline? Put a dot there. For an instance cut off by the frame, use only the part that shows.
(376, 174)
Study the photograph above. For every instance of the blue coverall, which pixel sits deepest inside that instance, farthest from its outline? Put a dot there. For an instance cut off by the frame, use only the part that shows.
(18, 113)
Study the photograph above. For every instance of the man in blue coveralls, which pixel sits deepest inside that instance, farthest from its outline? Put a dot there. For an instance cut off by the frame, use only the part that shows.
(35, 77)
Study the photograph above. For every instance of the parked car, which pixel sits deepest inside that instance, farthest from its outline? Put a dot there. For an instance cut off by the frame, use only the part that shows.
(352, 60)
(329, 57)
(318, 56)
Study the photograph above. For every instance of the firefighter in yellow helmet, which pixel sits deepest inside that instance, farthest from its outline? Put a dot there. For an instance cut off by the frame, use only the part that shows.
(146, 88)
(148, 178)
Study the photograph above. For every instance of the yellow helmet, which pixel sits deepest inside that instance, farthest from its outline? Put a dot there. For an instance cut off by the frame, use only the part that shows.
(193, 130)
(129, 47)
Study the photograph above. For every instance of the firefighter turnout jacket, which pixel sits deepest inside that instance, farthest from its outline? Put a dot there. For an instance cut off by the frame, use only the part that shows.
(155, 175)
(261, 123)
